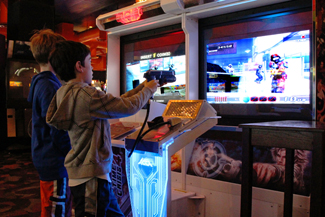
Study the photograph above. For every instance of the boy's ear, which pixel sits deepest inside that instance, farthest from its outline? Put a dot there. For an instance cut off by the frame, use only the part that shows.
(78, 67)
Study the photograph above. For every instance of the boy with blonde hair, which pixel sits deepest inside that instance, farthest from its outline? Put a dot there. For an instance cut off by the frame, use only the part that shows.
(49, 145)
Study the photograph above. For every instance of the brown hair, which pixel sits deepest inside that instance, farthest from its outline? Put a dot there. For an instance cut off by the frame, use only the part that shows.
(42, 43)
(65, 56)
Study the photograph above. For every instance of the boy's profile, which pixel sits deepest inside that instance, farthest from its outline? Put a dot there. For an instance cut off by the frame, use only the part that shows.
(84, 111)
(49, 145)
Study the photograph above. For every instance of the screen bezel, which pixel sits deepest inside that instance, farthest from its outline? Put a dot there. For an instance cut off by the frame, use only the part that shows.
(232, 114)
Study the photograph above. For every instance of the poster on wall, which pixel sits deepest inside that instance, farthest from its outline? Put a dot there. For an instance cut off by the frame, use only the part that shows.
(222, 160)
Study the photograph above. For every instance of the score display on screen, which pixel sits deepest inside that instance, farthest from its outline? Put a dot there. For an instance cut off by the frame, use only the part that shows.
(175, 90)
(260, 70)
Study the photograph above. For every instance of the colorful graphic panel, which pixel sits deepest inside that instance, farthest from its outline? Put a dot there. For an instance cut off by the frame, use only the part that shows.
(119, 181)
(222, 160)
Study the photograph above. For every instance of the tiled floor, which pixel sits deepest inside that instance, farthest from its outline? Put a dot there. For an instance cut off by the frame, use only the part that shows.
(19, 185)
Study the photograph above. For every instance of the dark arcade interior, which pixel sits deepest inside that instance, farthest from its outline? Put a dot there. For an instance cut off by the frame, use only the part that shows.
(219, 76)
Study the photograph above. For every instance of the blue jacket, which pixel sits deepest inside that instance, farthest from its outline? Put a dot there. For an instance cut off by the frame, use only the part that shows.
(49, 145)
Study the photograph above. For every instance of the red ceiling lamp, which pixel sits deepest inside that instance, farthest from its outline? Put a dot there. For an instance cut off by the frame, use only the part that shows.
(129, 16)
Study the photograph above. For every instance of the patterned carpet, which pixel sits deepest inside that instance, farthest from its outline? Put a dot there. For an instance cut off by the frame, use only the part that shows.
(19, 185)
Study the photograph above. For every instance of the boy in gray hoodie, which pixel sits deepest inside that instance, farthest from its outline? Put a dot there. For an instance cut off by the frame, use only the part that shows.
(84, 111)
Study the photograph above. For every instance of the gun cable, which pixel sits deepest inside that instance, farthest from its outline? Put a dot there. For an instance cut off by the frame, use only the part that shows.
(140, 132)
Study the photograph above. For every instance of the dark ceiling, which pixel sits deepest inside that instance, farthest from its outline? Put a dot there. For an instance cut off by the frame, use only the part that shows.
(83, 13)
(27, 15)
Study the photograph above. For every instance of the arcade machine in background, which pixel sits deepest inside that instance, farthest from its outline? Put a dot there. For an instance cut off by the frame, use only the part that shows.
(20, 69)
(23, 18)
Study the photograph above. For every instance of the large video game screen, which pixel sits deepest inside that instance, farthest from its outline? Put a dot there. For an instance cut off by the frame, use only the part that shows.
(260, 70)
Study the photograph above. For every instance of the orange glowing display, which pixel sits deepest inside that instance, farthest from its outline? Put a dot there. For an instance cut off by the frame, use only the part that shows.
(129, 16)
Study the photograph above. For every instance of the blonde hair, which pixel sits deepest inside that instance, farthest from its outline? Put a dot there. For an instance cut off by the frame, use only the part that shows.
(42, 43)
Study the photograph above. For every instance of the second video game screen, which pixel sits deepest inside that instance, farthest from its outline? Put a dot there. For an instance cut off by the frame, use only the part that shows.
(176, 90)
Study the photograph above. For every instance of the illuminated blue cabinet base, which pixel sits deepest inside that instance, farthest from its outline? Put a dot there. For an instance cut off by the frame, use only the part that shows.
(147, 175)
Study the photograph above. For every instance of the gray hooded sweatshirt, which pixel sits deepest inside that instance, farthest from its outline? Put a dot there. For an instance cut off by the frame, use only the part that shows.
(84, 111)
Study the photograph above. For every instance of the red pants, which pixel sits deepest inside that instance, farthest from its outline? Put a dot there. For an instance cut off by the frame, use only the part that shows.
(56, 198)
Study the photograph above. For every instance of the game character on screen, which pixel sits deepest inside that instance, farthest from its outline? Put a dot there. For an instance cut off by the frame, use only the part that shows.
(83, 111)
(259, 75)
(230, 69)
(278, 74)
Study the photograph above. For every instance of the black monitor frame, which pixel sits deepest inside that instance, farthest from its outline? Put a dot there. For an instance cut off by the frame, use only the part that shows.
(285, 111)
